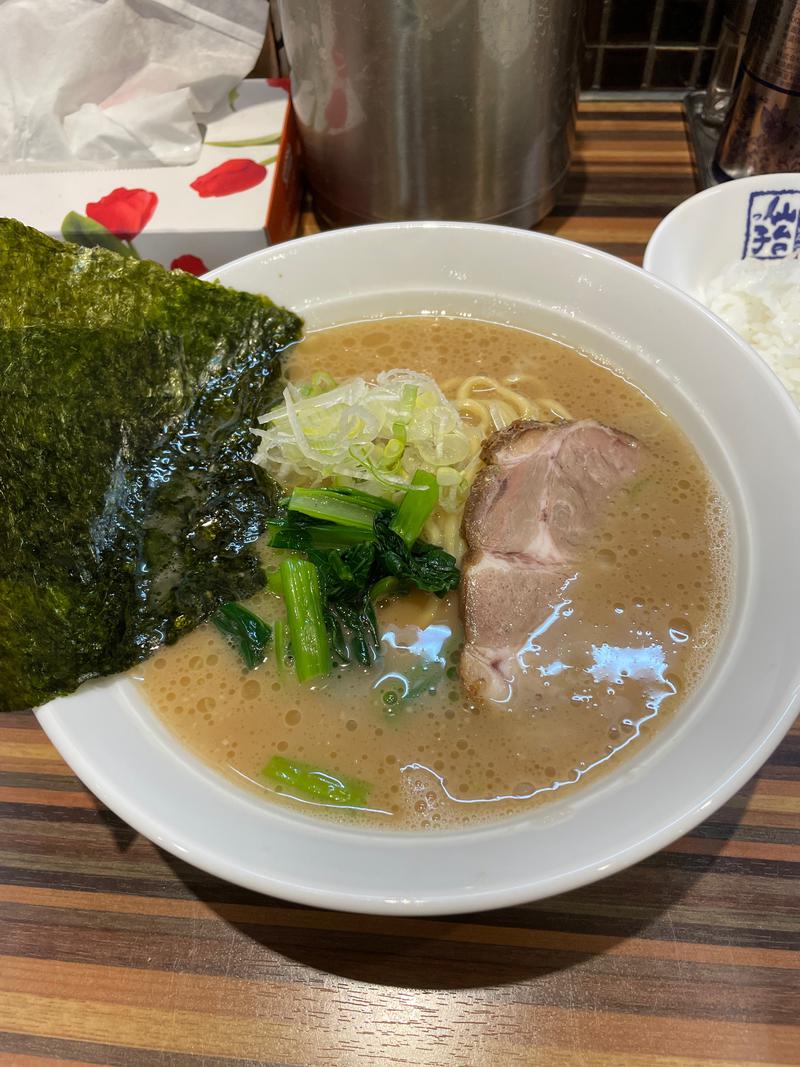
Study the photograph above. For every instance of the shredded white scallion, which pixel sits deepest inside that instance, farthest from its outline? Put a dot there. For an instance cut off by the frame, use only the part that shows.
(372, 435)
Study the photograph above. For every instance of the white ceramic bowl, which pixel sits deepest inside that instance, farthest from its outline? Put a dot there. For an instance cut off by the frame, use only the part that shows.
(749, 435)
(751, 218)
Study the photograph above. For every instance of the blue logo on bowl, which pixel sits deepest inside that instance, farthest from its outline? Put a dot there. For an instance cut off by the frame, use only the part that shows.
(772, 230)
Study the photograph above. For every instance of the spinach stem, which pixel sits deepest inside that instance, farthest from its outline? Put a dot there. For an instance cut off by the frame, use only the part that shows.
(281, 646)
(415, 507)
(315, 782)
(301, 593)
(330, 506)
(323, 536)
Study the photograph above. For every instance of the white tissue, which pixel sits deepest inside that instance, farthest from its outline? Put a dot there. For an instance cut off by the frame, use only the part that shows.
(95, 84)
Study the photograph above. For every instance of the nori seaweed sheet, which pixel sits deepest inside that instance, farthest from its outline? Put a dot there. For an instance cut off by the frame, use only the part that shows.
(127, 496)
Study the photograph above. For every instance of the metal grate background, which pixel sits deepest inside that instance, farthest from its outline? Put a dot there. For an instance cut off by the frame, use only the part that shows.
(650, 44)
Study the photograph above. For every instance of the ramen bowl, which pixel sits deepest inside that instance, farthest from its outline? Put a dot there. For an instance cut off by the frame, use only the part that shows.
(747, 432)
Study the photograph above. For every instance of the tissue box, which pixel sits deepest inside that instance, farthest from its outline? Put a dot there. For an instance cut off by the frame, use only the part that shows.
(242, 194)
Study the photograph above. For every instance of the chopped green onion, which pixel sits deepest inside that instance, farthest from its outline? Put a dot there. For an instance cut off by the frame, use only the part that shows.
(416, 506)
(331, 506)
(322, 382)
(393, 452)
(392, 481)
(371, 434)
(249, 634)
(316, 783)
(408, 401)
(447, 476)
(301, 593)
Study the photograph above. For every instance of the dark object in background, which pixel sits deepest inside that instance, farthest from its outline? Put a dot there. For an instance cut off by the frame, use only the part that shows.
(762, 131)
(705, 109)
(636, 44)
(724, 71)
(434, 110)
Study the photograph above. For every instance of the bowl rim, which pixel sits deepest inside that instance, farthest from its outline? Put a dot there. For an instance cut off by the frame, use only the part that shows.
(690, 204)
(690, 815)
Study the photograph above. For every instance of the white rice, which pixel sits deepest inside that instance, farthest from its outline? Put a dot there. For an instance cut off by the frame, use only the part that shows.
(761, 301)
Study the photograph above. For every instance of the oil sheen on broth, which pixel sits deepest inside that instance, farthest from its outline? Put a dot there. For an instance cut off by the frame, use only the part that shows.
(632, 636)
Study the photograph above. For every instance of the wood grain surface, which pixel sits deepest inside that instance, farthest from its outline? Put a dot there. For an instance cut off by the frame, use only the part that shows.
(113, 952)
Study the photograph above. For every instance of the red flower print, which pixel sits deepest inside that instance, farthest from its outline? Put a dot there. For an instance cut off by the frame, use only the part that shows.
(125, 212)
(279, 83)
(232, 176)
(191, 264)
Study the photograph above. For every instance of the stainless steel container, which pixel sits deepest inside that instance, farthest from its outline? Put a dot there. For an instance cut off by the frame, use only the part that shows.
(762, 132)
(440, 109)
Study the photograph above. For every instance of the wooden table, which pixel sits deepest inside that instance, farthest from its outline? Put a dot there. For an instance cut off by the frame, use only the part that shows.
(116, 953)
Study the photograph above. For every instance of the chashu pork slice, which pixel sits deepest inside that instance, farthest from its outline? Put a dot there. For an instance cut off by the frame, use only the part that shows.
(526, 521)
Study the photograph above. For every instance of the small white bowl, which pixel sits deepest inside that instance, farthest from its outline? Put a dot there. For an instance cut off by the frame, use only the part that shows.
(748, 433)
(750, 218)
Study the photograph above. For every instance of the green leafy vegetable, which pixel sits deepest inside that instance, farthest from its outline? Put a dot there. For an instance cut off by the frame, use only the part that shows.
(326, 518)
(330, 505)
(358, 565)
(127, 496)
(426, 566)
(303, 536)
(353, 631)
(316, 783)
(249, 634)
(345, 578)
(307, 631)
(374, 503)
(346, 574)
(416, 506)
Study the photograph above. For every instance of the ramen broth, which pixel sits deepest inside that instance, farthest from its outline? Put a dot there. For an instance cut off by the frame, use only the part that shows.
(630, 635)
